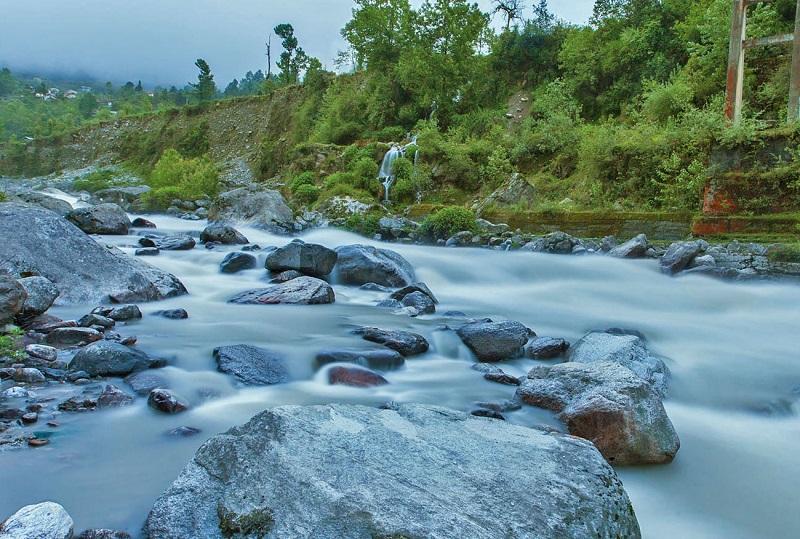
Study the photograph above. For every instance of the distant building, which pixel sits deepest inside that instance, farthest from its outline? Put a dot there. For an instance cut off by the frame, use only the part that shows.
(70, 94)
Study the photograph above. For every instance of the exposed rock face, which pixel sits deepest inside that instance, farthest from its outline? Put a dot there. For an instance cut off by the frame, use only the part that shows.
(628, 350)
(633, 248)
(514, 190)
(101, 219)
(606, 403)
(236, 262)
(300, 291)
(253, 204)
(42, 293)
(252, 365)
(224, 234)
(47, 520)
(109, 358)
(495, 341)
(405, 343)
(374, 359)
(308, 258)
(679, 255)
(361, 264)
(43, 243)
(12, 298)
(417, 471)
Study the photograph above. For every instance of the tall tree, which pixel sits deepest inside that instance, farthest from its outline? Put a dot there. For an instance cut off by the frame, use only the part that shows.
(293, 59)
(205, 87)
(510, 9)
(378, 32)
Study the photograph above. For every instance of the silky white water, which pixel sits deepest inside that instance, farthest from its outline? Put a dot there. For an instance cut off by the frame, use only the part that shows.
(733, 349)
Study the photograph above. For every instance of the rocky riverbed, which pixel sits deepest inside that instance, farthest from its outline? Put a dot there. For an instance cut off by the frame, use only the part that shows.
(475, 330)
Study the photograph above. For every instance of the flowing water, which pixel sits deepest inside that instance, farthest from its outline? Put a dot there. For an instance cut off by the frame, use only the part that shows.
(732, 349)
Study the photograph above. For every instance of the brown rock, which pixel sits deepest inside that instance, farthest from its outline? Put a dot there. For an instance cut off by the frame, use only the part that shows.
(355, 377)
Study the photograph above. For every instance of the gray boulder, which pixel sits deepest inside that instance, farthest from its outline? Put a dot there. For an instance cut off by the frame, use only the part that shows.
(495, 341)
(109, 358)
(236, 262)
(42, 293)
(404, 342)
(679, 255)
(252, 365)
(559, 243)
(606, 403)
(416, 287)
(374, 359)
(68, 336)
(112, 397)
(124, 197)
(253, 204)
(300, 291)
(175, 242)
(419, 303)
(545, 348)
(308, 258)
(96, 533)
(85, 271)
(414, 471)
(628, 350)
(633, 248)
(101, 219)
(61, 207)
(12, 297)
(47, 520)
(362, 264)
(166, 401)
(224, 234)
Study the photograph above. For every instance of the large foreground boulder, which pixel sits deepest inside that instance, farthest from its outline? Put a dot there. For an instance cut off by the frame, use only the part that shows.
(362, 264)
(606, 403)
(300, 291)
(47, 520)
(101, 219)
(628, 350)
(344, 471)
(253, 204)
(39, 242)
(308, 258)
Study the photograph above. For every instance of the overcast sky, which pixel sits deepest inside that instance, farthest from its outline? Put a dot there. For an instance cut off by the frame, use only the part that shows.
(158, 41)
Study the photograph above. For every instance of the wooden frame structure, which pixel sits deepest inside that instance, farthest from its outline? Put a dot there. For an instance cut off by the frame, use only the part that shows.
(739, 44)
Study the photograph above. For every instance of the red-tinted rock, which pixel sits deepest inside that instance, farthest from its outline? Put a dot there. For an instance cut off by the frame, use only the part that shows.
(352, 376)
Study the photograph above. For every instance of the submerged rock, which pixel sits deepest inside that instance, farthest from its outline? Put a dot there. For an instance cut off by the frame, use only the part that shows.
(362, 264)
(410, 471)
(355, 377)
(252, 365)
(495, 341)
(300, 291)
(374, 359)
(112, 396)
(606, 403)
(43, 243)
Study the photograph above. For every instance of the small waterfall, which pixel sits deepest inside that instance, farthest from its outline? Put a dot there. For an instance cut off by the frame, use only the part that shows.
(385, 172)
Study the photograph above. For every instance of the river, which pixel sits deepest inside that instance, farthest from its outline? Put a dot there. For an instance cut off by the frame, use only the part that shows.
(732, 349)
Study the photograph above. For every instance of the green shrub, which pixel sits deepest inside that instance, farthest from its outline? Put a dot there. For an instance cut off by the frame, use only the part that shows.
(366, 225)
(10, 346)
(402, 168)
(306, 178)
(366, 169)
(183, 178)
(3, 196)
(98, 180)
(448, 221)
(391, 134)
(354, 153)
(306, 194)
(402, 191)
(341, 178)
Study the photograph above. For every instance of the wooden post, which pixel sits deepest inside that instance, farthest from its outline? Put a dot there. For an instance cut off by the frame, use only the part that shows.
(735, 79)
(794, 81)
